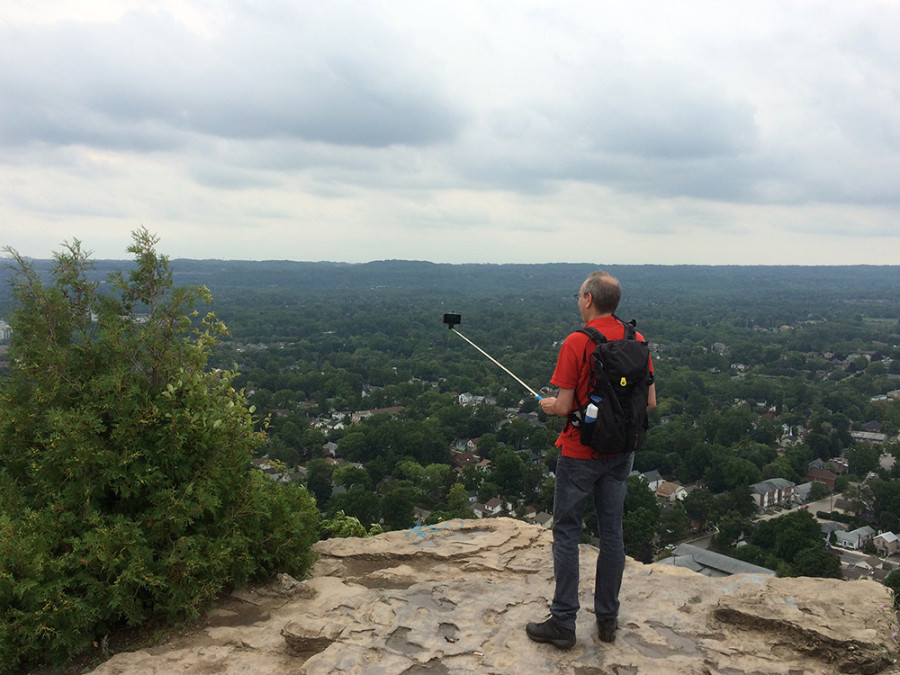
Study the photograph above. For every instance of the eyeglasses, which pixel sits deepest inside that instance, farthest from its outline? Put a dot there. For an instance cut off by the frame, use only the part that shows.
(578, 295)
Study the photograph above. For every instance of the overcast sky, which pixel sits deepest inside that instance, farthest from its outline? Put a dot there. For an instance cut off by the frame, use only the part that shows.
(650, 131)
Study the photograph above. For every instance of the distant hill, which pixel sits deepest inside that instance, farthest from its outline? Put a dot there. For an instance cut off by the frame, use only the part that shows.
(643, 283)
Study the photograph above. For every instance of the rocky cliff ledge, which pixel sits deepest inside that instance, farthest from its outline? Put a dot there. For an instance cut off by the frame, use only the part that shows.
(455, 598)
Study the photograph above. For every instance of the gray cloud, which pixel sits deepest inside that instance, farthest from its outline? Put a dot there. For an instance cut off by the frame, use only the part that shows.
(142, 82)
(628, 133)
(663, 114)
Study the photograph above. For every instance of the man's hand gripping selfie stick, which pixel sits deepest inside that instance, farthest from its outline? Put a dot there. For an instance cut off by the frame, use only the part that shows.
(454, 319)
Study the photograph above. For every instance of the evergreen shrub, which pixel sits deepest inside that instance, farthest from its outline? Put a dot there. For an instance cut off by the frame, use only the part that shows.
(127, 492)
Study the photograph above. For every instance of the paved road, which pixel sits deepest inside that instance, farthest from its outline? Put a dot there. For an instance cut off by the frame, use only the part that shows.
(825, 504)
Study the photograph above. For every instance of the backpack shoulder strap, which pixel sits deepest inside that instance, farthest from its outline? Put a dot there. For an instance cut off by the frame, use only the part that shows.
(593, 334)
(597, 338)
(630, 328)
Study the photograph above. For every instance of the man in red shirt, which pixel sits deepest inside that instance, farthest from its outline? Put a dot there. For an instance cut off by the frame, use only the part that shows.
(579, 475)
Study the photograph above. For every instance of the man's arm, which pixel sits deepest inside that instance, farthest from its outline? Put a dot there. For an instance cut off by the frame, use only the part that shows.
(651, 398)
(563, 402)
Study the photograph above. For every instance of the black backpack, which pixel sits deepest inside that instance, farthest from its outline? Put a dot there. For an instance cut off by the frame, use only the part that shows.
(619, 387)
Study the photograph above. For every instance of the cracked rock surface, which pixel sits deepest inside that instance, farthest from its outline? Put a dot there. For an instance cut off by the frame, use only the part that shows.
(454, 598)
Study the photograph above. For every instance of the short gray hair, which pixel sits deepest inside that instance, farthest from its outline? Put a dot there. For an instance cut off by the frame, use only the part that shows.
(605, 291)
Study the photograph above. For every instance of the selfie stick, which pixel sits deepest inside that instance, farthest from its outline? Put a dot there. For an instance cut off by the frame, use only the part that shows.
(453, 319)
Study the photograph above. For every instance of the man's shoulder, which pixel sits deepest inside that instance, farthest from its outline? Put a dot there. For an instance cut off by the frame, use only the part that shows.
(577, 338)
(608, 326)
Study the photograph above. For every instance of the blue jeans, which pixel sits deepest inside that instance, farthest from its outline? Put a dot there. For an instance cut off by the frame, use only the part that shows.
(576, 480)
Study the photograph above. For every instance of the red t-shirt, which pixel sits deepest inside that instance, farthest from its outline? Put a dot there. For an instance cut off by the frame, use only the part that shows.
(573, 371)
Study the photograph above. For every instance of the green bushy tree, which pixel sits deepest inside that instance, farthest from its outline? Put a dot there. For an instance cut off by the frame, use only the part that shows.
(641, 519)
(126, 488)
(344, 526)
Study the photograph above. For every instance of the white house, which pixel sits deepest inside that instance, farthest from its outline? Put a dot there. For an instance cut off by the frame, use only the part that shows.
(654, 479)
(855, 539)
(493, 506)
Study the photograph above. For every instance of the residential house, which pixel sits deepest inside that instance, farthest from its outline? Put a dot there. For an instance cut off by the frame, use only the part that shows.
(801, 492)
(471, 399)
(271, 469)
(771, 492)
(854, 572)
(855, 539)
(788, 441)
(829, 526)
(671, 492)
(837, 465)
(866, 568)
(791, 435)
(821, 476)
(845, 505)
(544, 519)
(494, 506)
(463, 459)
(887, 543)
(333, 422)
(360, 415)
(654, 479)
(840, 465)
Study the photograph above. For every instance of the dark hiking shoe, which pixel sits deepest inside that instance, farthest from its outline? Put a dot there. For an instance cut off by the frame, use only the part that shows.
(550, 631)
(606, 629)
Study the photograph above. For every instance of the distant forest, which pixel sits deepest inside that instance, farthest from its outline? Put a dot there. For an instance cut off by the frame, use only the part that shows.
(762, 295)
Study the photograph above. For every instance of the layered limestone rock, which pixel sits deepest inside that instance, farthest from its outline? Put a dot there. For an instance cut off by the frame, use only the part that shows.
(455, 598)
